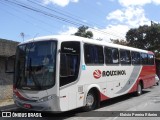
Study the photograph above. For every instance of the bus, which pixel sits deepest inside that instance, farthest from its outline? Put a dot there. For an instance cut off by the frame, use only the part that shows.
(60, 73)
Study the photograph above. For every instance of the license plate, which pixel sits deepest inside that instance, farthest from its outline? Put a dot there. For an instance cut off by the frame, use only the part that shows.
(28, 106)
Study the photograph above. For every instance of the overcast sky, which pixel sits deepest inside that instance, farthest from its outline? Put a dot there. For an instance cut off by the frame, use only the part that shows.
(107, 19)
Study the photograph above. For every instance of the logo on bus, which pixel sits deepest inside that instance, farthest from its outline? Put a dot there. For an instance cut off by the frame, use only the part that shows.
(97, 74)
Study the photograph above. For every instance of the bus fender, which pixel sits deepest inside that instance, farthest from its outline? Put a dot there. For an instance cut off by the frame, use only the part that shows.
(88, 88)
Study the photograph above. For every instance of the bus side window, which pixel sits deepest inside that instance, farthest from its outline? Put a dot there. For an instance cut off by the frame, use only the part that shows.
(125, 57)
(144, 58)
(93, 54)
(136, 60)
(150, 59)
(111, 55)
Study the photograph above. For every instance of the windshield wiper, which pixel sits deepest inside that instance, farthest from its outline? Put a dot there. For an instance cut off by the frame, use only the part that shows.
(31, 75)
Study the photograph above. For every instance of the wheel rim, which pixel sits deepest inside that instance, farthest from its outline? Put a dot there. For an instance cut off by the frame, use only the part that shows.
(89, 100)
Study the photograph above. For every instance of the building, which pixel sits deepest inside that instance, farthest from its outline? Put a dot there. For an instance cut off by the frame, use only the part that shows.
(7, 48)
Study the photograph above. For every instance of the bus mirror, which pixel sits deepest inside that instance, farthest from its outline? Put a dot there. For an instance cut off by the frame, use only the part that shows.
(10, 64)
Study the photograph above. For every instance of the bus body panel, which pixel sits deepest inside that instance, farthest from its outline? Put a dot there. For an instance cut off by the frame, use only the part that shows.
(148, 76)
(112, 83)
(110, 80)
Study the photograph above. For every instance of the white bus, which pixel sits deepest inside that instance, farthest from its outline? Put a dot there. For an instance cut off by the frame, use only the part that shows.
(61, 73)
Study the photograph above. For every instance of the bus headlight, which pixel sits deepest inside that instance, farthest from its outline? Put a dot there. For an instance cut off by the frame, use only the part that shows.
(46, 98)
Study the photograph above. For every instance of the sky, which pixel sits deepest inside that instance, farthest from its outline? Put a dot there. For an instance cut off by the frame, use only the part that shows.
(107, 19)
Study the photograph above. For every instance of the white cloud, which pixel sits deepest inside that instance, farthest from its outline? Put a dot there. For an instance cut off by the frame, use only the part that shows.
(117, 14)
(70, 30)
(131, 16)
(127, 3)
(134, 2)
(110, 32)
(157, 2)
(61, 3)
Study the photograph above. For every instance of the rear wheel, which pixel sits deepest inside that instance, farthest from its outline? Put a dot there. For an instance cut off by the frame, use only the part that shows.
(157, 83)
(91, 101)
(139, 89)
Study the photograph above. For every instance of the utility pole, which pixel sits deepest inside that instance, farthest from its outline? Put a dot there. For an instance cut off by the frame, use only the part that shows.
(22, 35)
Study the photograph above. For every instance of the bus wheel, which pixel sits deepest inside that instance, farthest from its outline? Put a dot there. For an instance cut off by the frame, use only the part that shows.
(157, 83)
(139, 89)
(91, 101)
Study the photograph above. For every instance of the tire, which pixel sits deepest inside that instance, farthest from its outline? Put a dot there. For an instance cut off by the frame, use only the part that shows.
(157, 83)
(91, 101)
(139, 89)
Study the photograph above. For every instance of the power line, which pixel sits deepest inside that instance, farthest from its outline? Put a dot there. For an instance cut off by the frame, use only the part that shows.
(65, 13)
(70, 16)
(56, 11)
(57, 17)
(24, 20)
(45, 13)
(34, 18)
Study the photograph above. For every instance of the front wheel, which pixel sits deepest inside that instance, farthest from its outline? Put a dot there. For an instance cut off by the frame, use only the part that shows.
(91, 101)
(139, 89)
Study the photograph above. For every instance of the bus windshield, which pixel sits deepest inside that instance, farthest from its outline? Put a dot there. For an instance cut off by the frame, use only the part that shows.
(35, 65)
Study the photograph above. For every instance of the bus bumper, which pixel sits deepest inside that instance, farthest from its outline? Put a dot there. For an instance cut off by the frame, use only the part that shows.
(50, 105)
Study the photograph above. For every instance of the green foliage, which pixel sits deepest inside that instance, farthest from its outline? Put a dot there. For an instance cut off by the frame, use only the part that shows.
(120, 42)
(82, 31)
(145, 37)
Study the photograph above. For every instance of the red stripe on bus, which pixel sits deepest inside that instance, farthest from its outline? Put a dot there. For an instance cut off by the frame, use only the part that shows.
(147, 75)
(103, 97)
(17, 93)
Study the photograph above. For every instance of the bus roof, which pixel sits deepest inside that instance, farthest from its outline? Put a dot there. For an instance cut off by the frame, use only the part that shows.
(85, 40)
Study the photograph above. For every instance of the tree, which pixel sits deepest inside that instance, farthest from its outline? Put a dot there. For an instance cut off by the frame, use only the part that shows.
(82, 31)
(145, 37)
(137, 37)
(120, 42)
